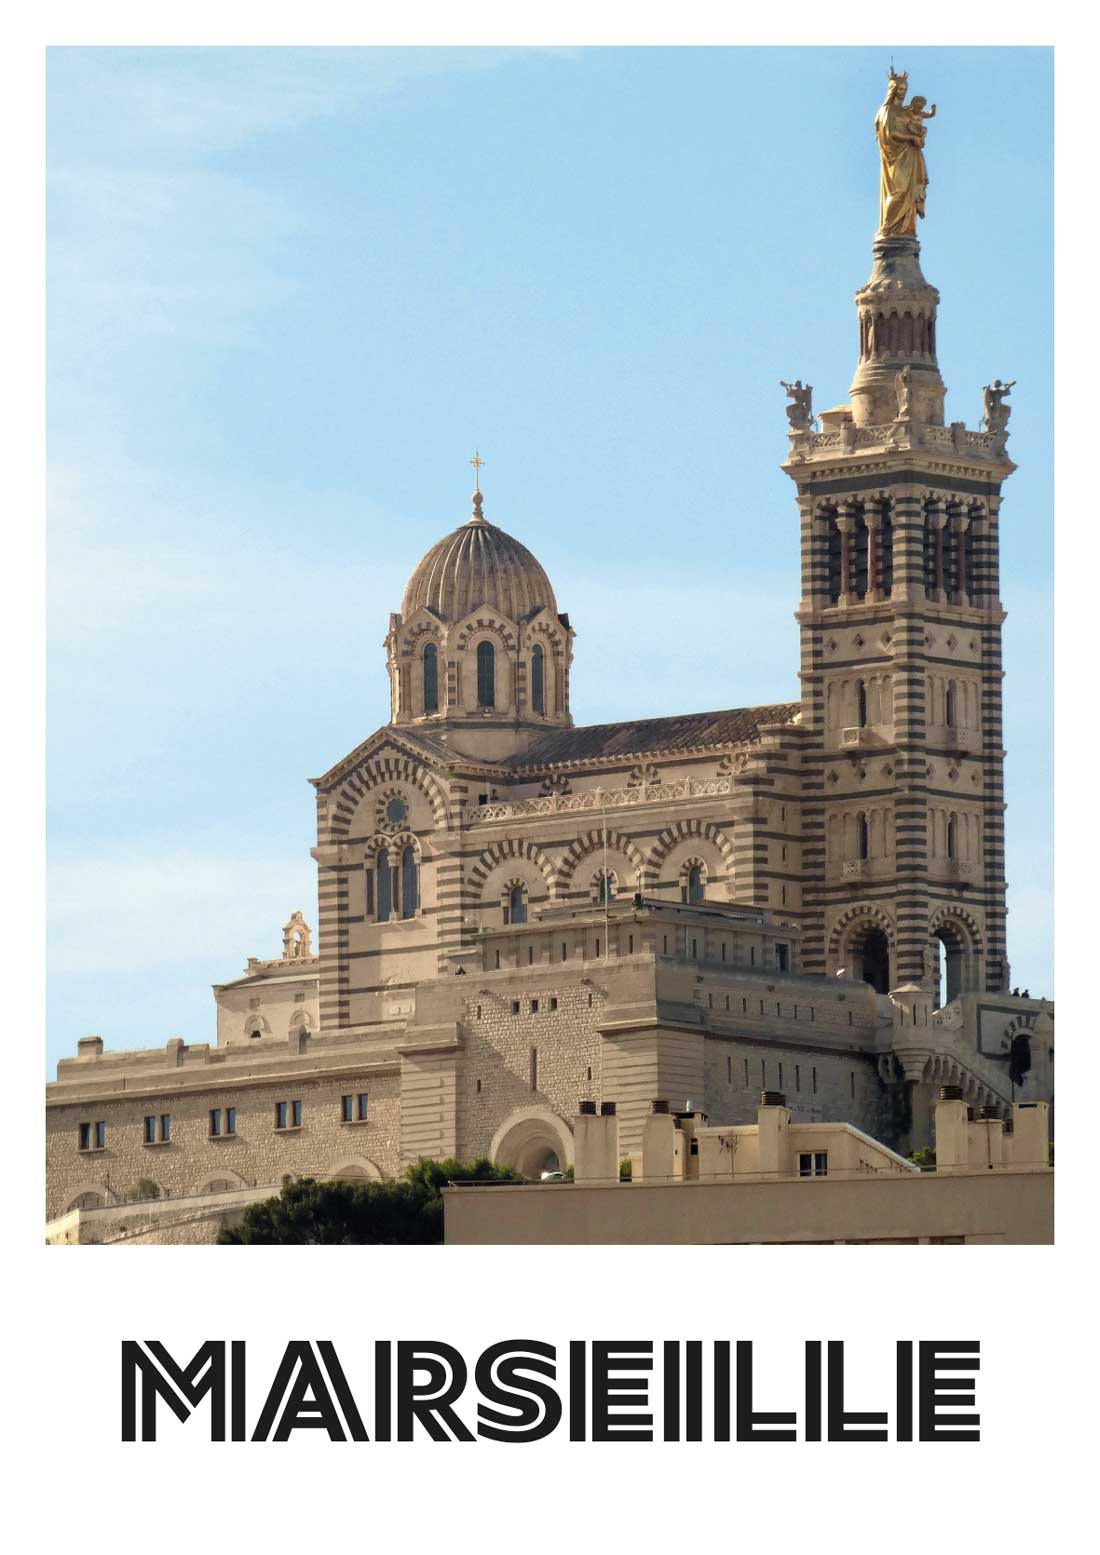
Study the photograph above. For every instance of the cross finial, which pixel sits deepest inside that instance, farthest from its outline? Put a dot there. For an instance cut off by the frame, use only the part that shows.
(477, 461)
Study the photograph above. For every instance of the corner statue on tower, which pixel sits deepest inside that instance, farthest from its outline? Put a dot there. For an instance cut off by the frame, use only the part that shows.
(900, 132)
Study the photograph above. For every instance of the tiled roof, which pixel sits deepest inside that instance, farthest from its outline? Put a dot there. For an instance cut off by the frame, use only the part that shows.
(642, 736)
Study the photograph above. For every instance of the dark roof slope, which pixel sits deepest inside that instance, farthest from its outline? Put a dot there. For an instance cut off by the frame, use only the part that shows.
(639, 737)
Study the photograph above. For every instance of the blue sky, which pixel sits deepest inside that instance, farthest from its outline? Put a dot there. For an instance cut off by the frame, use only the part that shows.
(290, 290)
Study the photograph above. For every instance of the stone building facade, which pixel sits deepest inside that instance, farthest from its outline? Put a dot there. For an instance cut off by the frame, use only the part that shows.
(516, 914)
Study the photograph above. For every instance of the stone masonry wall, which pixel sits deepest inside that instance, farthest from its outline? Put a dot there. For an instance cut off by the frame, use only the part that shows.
(257, 1153)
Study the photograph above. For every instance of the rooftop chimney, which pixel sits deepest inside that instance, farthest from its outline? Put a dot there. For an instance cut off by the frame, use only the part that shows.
(596, 1145)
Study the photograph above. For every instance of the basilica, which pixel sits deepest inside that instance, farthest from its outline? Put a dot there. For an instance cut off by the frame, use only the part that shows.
(516, 915)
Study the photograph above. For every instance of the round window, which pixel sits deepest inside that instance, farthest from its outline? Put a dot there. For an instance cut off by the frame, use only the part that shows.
(397, 811)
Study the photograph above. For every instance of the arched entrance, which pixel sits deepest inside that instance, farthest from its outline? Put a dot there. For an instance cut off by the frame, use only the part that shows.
(869, 956)
(532, 1141)
(951, 955)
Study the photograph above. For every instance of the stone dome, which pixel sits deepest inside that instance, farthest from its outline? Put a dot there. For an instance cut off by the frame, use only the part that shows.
(478, 564)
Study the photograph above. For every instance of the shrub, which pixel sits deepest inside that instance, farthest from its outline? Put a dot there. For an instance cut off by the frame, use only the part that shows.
(404, 1213)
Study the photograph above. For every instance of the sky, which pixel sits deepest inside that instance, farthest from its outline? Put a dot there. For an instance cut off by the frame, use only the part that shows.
(289, 291)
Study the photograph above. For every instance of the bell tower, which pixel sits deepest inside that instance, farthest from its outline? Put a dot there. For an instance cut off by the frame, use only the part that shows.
(900, 623)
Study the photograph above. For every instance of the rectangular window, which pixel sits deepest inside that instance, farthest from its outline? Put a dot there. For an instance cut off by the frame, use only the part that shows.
(553, 1004)
(815, 1081)
(498, 961)
(694, 949)
(361, 1104)
(630, 945)
(346, 1109)
(515, 1006)
(231, 1120)
(729, 1071)
(534, 1006)
(150, 1131)
(782, 958)
(752, 955)
(813, 1164)
(564, 952)
(215, 1121)
(280, 1114)
(165, 1127)
(597, 950)
(85, 1136)
(296, 1114)
(100, 1136)
(370, 891)
(780, 1076)
(710, 1001)
(852, 1083)
(530, 955)
(746, 1071)
(798, 1077)
(534, 1068)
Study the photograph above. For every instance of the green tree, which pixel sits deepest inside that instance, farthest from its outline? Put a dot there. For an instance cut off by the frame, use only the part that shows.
(404, 1213)
(144, 1188)
(925, 1158)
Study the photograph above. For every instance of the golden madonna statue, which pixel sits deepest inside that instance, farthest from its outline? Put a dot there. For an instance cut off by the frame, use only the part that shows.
(900, 131)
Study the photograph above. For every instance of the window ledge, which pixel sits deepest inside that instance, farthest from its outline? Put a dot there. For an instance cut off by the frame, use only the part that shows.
(217, 1138)
(156, 1144)
(92, 1150)
(291, 1128)
(354, 1122)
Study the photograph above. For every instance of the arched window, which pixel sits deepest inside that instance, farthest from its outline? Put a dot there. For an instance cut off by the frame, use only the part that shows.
(410, 882)
(431, 678)
(833, 558)
(695, 884)
(951, 705)
(517, 905)
(886, 552)
(486, 675)
(861, 703)
(538, 679)
(864, 834)
(952, 837)
(605, 887)
(861, 556)
(384, 892)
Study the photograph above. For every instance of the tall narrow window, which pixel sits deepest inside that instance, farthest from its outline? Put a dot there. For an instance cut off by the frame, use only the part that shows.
(864, 837)
(861, 556)
(952, 837)
(950, 705)
(606, 887)
(410, 893)
(886, 551)
(833, 559)
(431, 678)
(486, 675)
(695, 883)
(538, 679)
(861, 703)
(384, 893)
(517, 905)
